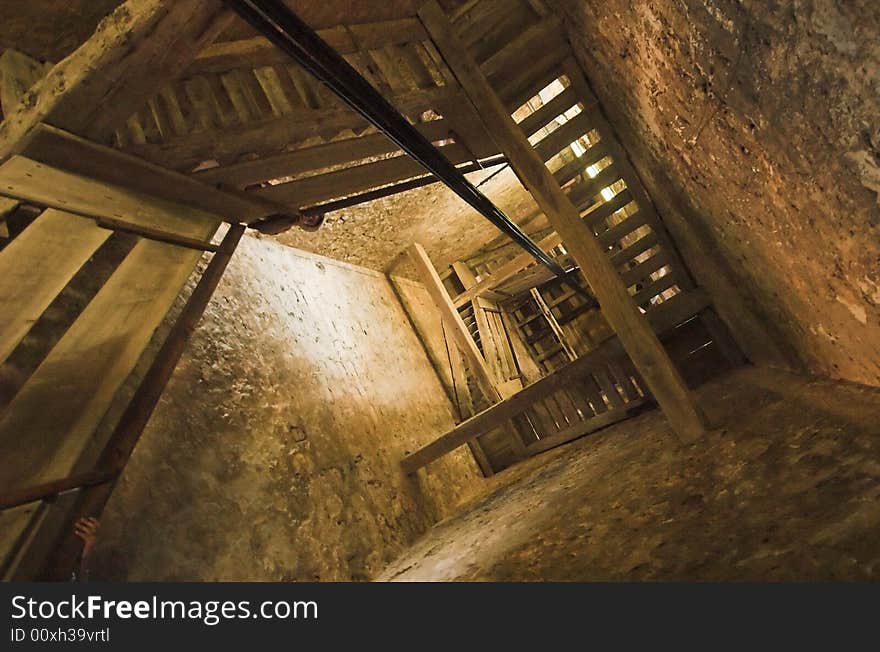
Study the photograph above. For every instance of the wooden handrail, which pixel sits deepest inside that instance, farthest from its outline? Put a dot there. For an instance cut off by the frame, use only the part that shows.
(501, 412)
(662, 318)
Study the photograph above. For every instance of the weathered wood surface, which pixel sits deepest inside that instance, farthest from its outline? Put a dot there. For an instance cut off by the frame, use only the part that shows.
(258, 51)
(82, 374)
(47, 186)
(65, 151)
(131, 425)
(132, 54)
(37, 265)
(633, 330)
(18, 73)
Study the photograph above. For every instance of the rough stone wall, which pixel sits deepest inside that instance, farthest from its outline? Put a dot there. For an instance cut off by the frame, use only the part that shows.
(756, 125)
(274, 452)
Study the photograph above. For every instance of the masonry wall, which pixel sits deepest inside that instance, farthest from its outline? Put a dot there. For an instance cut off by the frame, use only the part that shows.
(756, 126)
(274, 452)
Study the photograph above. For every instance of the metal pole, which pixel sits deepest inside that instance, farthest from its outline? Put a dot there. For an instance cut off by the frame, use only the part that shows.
(285, 29)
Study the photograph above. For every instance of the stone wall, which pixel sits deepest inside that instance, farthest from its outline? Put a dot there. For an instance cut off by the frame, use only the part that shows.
(757, 127)
(274, 452)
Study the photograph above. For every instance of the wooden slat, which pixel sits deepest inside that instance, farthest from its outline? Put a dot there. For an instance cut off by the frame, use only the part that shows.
(65, 151)
(503, 411)
(274, 134)
(319, 188)
(37, 265)
(504, 273)
(82, 374)
(638, 338)
(461, 336)
(7, 207)
(522, 48)
(645, 268)
(18, 73)
(597, 216)
(113, 74)
(313, 158)
(584, 428)
(549, 111)
(656, 287)
(622, 229)
(564, 136)
(47, 186)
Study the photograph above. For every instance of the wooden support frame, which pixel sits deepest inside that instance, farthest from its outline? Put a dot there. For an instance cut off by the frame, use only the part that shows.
(637, 337)
(122, 442)
(460, 335)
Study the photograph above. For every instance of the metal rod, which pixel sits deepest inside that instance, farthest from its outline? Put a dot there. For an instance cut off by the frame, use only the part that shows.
(387, 191)
(285, 29)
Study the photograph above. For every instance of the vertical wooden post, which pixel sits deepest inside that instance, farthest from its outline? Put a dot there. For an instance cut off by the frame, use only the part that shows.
(131, 425)
(636, 335)
(462, 337)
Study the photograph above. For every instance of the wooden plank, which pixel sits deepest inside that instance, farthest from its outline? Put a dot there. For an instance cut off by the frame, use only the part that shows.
(345, 39)
(128, 431)
(348, 181)
(507, 271)
(82, 374)
(554, 326)
(634, 332)
(37, 265)
(584, 428)
(274, 134)
(549, 111)
(312, 158)
(7, 207)
(454, 324)
(461, 336)
(522, 48)
(503, 411)
(132, 54)
(66, 151)
(43, 185)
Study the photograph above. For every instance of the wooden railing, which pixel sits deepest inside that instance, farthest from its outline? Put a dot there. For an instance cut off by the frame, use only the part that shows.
(594, 391)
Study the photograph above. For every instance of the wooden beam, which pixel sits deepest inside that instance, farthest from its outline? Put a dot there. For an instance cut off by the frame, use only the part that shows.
(503, 411)
(37, 265)
(637, 337)
(16, 498)
(317, 157)
(348, 181)
(82, 374)
(18, 73)
(47, 186)
(456, 327)
(462, 338)
(345, 39)
(504, 273)
(134, 51)
(554, 325)
(662, 319)
(131, 425)
(66, 151)
(273, 135)
(7, 207)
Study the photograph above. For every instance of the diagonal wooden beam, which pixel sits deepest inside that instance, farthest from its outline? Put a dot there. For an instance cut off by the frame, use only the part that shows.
(135, 50)
(462, 338)
(639, 340)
